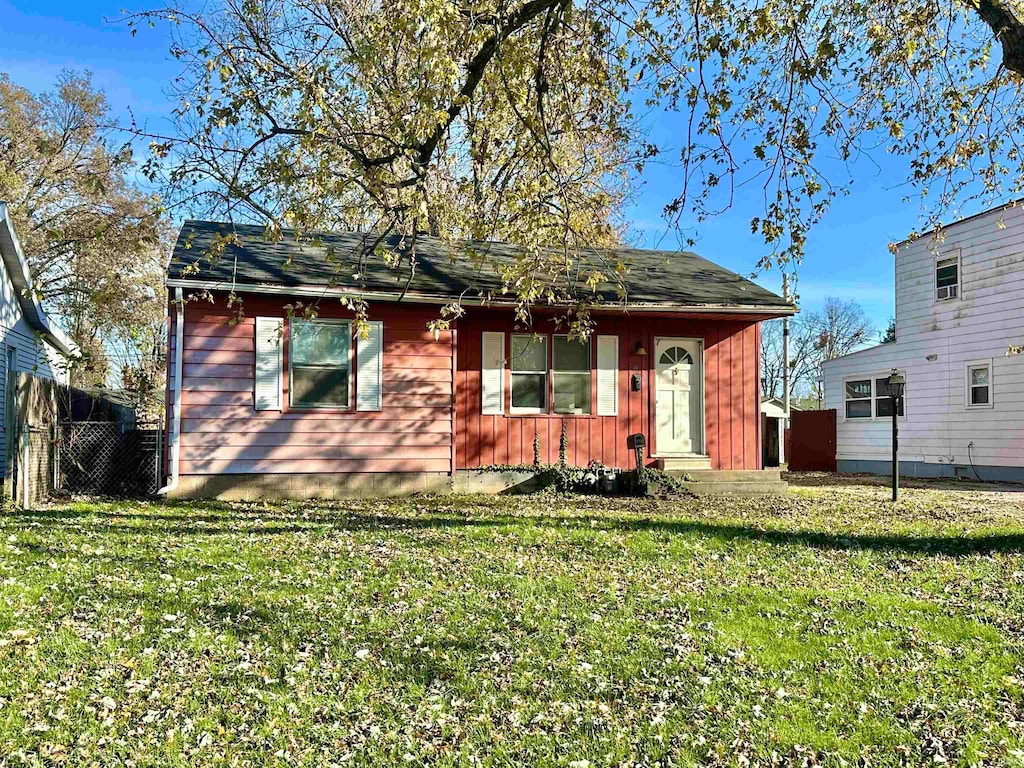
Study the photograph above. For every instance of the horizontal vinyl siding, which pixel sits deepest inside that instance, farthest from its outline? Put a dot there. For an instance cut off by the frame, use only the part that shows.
(991, 279)
(222, 433)
(34, 355)
(979, 325)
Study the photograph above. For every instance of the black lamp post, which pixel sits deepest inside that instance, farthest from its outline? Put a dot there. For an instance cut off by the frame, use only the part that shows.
(895, 384)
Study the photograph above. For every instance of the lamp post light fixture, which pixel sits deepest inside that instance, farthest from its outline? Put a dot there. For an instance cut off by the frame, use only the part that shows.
(895, 385)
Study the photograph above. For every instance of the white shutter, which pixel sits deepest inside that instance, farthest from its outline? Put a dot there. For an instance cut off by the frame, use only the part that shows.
(607, 375)
(369, 362)
(492, 373)
(268, 363)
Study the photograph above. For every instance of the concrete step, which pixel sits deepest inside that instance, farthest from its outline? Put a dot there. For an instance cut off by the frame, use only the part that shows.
(683, 463)
(735, 475)
(738, 488)
(741, 482)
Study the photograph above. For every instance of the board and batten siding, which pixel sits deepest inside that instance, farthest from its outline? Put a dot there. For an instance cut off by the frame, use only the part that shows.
(979, 325)
(732, 395)
(222, 432)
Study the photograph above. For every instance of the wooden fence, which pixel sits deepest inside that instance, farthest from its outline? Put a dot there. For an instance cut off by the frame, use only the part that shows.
(31, 419)
(813, 441)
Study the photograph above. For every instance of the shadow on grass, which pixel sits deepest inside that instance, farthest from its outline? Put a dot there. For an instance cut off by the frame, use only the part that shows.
(224, 520)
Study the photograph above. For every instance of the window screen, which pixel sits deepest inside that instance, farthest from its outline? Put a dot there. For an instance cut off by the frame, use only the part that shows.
(980, 385)
(571, 375)
(947, 278)
(319, 370)
(883, 403)
(858, 399)
(529, 372)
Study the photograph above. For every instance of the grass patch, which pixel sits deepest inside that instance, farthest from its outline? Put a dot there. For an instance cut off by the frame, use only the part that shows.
(827, 626)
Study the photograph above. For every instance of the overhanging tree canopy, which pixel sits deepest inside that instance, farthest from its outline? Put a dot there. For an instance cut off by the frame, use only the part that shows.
(91, 236)
(518, 119)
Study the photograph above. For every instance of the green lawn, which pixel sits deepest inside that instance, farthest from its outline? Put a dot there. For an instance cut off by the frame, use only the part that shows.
(825, 627)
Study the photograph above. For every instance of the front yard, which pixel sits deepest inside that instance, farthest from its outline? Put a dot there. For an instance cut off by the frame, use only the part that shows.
(826, 626)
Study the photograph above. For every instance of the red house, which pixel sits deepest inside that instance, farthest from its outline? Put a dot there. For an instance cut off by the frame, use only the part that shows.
(263, 403)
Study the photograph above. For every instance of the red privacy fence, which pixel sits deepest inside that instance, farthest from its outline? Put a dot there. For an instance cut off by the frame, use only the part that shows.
(813, 436)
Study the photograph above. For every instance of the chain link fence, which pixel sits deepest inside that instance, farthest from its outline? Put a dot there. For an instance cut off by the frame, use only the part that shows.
(109, 459)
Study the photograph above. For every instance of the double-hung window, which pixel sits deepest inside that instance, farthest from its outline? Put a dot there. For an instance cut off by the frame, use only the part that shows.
(565, 371)
(858, 399)
(947, 278)
(883, 403)
(571, 375)
(869, 398)
(979, 385)
(529, 373)
(319, 364)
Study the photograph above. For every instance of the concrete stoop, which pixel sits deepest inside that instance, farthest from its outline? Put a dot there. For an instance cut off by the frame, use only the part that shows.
(747, 482)
(677, 464)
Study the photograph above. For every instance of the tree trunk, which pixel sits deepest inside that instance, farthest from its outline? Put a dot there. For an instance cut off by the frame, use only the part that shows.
(1008, 30)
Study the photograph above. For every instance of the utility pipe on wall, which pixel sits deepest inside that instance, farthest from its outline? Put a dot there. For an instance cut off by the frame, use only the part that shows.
(785, 349)
(175, 436)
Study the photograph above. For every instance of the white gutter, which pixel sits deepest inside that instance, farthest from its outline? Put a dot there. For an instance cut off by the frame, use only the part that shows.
(423, 298)
(175, 436)
(16, 264)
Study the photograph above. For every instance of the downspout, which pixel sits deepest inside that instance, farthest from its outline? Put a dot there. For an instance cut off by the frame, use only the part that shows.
(785, 351)
(175, 441)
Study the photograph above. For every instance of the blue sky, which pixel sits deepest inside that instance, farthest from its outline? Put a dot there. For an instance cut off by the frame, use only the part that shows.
(847, 255)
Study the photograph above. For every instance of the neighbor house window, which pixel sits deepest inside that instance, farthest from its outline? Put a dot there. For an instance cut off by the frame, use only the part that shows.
(529, 372)
(979, 385)
(319, 363)
(869, 398)
(947, 278)
(571, 375)
(858, 399)
(883, 403)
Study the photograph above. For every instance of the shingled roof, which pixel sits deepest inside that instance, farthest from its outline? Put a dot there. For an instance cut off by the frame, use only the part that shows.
(327, 262)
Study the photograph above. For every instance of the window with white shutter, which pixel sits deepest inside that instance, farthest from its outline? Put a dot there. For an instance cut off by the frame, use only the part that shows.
(268, 364)
(528, 373)
(320, 364)
(570, 375)
(369, 361)
(607, 375)
(492, 372)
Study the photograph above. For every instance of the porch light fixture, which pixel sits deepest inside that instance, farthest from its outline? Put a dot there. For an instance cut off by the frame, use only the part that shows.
(895, 385)
(640, 351)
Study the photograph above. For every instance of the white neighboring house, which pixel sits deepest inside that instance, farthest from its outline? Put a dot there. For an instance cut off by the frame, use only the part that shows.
(959, 307)
(30, 341)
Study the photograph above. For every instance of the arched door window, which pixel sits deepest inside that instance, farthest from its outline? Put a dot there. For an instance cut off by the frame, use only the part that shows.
(674, 355)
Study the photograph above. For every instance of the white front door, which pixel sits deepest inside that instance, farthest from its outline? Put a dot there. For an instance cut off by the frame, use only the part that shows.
(678, 384)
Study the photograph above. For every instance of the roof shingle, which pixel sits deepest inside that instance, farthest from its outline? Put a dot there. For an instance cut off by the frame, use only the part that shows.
(676, 278)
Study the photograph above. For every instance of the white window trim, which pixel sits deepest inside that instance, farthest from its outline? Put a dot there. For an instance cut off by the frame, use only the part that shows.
(874, 397)
(549, 377)
(955, 254)
(538, 337)
(589, 373)
(351, 372)
(869, 399)
(982, 363)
